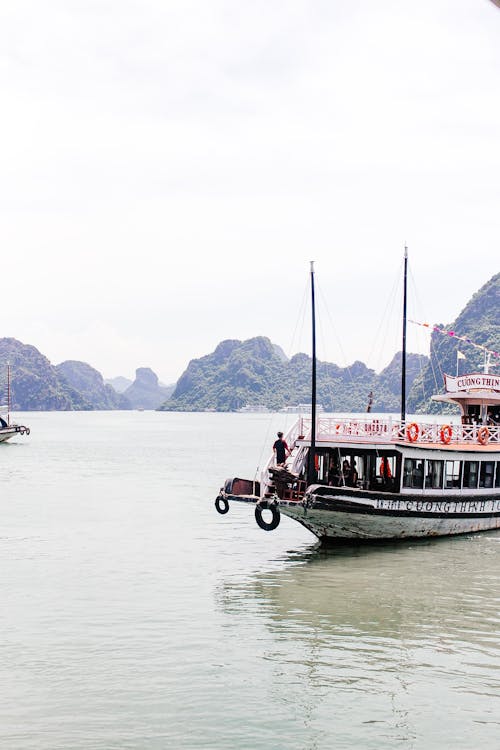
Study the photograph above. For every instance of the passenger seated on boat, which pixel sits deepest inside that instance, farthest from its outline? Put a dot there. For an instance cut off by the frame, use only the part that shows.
(353, 476)
(346, 471)
(385, 473)
(333, 475)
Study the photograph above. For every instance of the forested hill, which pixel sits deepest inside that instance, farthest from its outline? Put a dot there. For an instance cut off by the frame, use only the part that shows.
(35, 383)
(90, 384)
(255, 373)
(479, 321)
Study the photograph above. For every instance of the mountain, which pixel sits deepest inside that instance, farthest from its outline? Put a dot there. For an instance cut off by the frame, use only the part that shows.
(36, 385)
(145, 392)
(91, 386)
(479, 322)
(120, 384)
(390, 379)
(254, 372)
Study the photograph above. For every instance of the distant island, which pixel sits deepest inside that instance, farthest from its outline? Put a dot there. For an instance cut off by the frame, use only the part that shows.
(252, 373)
(37, 385)
(256, 374)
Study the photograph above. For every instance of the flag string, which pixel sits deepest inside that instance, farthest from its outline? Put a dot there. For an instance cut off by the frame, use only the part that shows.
(454, 335)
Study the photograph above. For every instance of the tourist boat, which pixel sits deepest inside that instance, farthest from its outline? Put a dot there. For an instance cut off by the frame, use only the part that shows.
(367, 479)
(7, 428)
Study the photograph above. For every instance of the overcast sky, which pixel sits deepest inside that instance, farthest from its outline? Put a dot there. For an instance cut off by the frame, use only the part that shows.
(170, 167)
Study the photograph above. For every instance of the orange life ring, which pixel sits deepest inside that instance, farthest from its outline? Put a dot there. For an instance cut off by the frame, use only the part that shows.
(412, 432)
(483, 435)
(446, 434)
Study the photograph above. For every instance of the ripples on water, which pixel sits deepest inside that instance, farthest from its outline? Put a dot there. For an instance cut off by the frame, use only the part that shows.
(134, 616)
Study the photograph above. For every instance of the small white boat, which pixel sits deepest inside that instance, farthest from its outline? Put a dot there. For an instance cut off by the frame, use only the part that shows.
(301, 409)
(253, 409)
(11, 429)
(366, 479)
(7, 428)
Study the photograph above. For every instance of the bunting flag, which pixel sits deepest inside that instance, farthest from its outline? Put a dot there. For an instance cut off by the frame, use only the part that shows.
(455, 335)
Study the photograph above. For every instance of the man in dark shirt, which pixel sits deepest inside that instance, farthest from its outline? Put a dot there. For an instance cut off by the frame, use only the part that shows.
(281, 450)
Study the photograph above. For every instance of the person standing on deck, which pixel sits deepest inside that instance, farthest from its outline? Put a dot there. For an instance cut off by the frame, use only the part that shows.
(281, 450)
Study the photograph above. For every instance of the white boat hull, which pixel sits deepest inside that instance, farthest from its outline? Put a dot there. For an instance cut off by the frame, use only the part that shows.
(7, 433)
(340, 517)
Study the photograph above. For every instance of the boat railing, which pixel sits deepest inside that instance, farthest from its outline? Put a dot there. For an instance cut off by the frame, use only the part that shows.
(392, 430)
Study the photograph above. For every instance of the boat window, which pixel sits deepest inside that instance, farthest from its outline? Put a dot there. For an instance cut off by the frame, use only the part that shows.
(413, 473)
(470, 474)
(486, 474)
(473, 412)
(333, 470)
(452, 475)
(364, 469)
(497, 478)
(434, 475)
(321, 463)
(352, 473)
(359, 470)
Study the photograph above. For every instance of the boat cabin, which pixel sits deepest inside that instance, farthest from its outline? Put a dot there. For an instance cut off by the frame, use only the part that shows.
(477, 396)
(393, 471)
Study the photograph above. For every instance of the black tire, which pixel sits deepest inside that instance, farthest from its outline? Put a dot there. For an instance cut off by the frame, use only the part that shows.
(221, 504)
(275, 521)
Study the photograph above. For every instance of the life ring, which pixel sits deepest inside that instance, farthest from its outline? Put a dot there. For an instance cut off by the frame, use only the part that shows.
(483, 435)
(412, 432)
(274, 522)
(221, 504)
(446, 434)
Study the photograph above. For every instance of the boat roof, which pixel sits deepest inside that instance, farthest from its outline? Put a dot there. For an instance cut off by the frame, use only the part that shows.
(480, 398)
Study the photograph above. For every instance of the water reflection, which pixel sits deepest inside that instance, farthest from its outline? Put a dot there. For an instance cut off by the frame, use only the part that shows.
(398, 642)
(444, 589)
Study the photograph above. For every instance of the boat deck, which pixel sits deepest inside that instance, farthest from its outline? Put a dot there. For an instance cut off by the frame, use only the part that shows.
(447, 435)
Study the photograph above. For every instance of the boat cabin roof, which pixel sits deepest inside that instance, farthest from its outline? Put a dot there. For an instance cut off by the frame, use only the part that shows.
(472, 389)
(470, 398)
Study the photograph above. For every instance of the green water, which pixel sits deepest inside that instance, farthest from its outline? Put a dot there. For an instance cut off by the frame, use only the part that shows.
(134, 616)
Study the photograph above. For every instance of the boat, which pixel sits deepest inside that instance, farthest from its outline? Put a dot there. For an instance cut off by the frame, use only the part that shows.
(366, 478)
(7, 428)
(253, 409)
(301, 408)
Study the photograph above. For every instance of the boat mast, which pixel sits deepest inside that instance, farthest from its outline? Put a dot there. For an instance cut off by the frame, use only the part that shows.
(403, 353)
(311, 469)
(8, 393)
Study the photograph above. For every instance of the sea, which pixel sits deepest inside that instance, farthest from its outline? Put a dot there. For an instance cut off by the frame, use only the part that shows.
(134, 616)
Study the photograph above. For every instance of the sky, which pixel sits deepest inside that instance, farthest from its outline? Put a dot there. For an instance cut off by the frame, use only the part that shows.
(169, 168)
